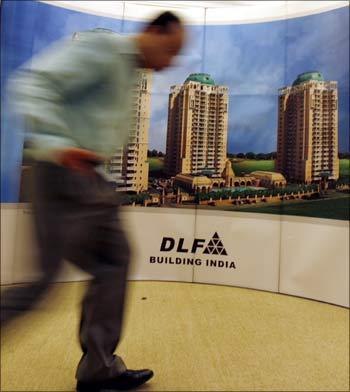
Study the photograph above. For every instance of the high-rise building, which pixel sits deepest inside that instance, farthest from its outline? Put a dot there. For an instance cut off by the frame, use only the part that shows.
(128, 166)
(197, 127)
(307, 145)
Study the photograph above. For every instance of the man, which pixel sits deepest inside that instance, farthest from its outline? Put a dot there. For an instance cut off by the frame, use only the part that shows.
(76, 102)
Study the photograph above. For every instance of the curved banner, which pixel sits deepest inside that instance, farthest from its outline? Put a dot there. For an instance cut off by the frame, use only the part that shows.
(264, 155)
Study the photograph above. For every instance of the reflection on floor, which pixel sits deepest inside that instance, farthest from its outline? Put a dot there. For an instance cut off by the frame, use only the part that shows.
(195, 337)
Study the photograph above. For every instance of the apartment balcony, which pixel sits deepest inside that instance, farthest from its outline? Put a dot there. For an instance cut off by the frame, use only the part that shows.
(120, 183)
(118, 156)
(115, 162)
(117, 173)
(130, 185)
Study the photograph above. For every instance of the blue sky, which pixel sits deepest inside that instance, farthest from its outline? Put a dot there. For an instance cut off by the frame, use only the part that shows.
(253, 60)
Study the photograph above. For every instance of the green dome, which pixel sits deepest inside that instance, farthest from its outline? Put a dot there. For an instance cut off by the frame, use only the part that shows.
(201, 78)
(307, 76)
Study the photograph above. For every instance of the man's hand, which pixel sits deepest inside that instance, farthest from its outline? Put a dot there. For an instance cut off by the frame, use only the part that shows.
(78, 159)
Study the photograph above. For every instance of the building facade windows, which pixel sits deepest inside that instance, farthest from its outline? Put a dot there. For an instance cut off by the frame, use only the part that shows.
(197, 132)
(307, 130)
(128, 167)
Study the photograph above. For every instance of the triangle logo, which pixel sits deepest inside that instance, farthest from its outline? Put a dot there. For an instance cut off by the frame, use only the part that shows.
(215, 246)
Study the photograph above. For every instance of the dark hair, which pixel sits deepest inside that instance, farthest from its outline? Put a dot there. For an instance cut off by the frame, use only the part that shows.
(164, 21)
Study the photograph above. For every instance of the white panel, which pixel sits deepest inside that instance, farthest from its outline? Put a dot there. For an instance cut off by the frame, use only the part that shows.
(25, 266)
(8, 241)
(112, 9)
(315, 259)
(221, 12)
(252, 242)
(71, 273)
(144, 11)
(146, 229)
(314, 252)
(247, 13)
(266, 11)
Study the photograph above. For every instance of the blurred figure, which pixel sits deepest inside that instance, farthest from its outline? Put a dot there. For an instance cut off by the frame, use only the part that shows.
(76, 103)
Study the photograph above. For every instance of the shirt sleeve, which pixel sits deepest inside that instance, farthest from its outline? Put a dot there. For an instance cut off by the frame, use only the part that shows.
(41, 90)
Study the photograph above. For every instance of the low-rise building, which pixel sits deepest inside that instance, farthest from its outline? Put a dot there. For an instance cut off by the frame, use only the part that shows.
(269, 179)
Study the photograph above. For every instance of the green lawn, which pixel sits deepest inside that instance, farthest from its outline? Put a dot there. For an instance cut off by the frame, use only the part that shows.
(334, 208)
(345, 167)
(155, 164)
(247, 166)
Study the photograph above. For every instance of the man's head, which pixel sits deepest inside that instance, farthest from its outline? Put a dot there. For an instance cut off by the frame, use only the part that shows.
(161, 41)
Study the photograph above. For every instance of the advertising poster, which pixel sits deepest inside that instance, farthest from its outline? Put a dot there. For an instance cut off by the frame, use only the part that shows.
(248, 129)
(249, 143)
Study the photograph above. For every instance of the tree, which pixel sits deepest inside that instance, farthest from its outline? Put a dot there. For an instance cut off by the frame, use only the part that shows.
(241, 155)
(202, 196)
(260, 156)
(250, 155)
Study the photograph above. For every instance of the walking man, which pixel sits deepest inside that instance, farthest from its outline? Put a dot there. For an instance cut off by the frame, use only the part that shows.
(75, 100)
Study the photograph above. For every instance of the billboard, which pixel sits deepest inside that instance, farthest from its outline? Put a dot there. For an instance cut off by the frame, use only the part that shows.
(248, 165)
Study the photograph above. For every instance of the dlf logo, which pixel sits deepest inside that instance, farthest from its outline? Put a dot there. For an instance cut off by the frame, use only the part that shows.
(214, 246)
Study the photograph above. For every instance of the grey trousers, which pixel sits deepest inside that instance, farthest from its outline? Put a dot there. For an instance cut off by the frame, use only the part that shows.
(76, 218)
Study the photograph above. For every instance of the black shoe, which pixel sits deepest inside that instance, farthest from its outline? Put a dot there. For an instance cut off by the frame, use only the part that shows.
(128, 380)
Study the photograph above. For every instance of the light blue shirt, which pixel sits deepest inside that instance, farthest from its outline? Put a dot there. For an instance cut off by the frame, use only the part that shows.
(78, 93)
